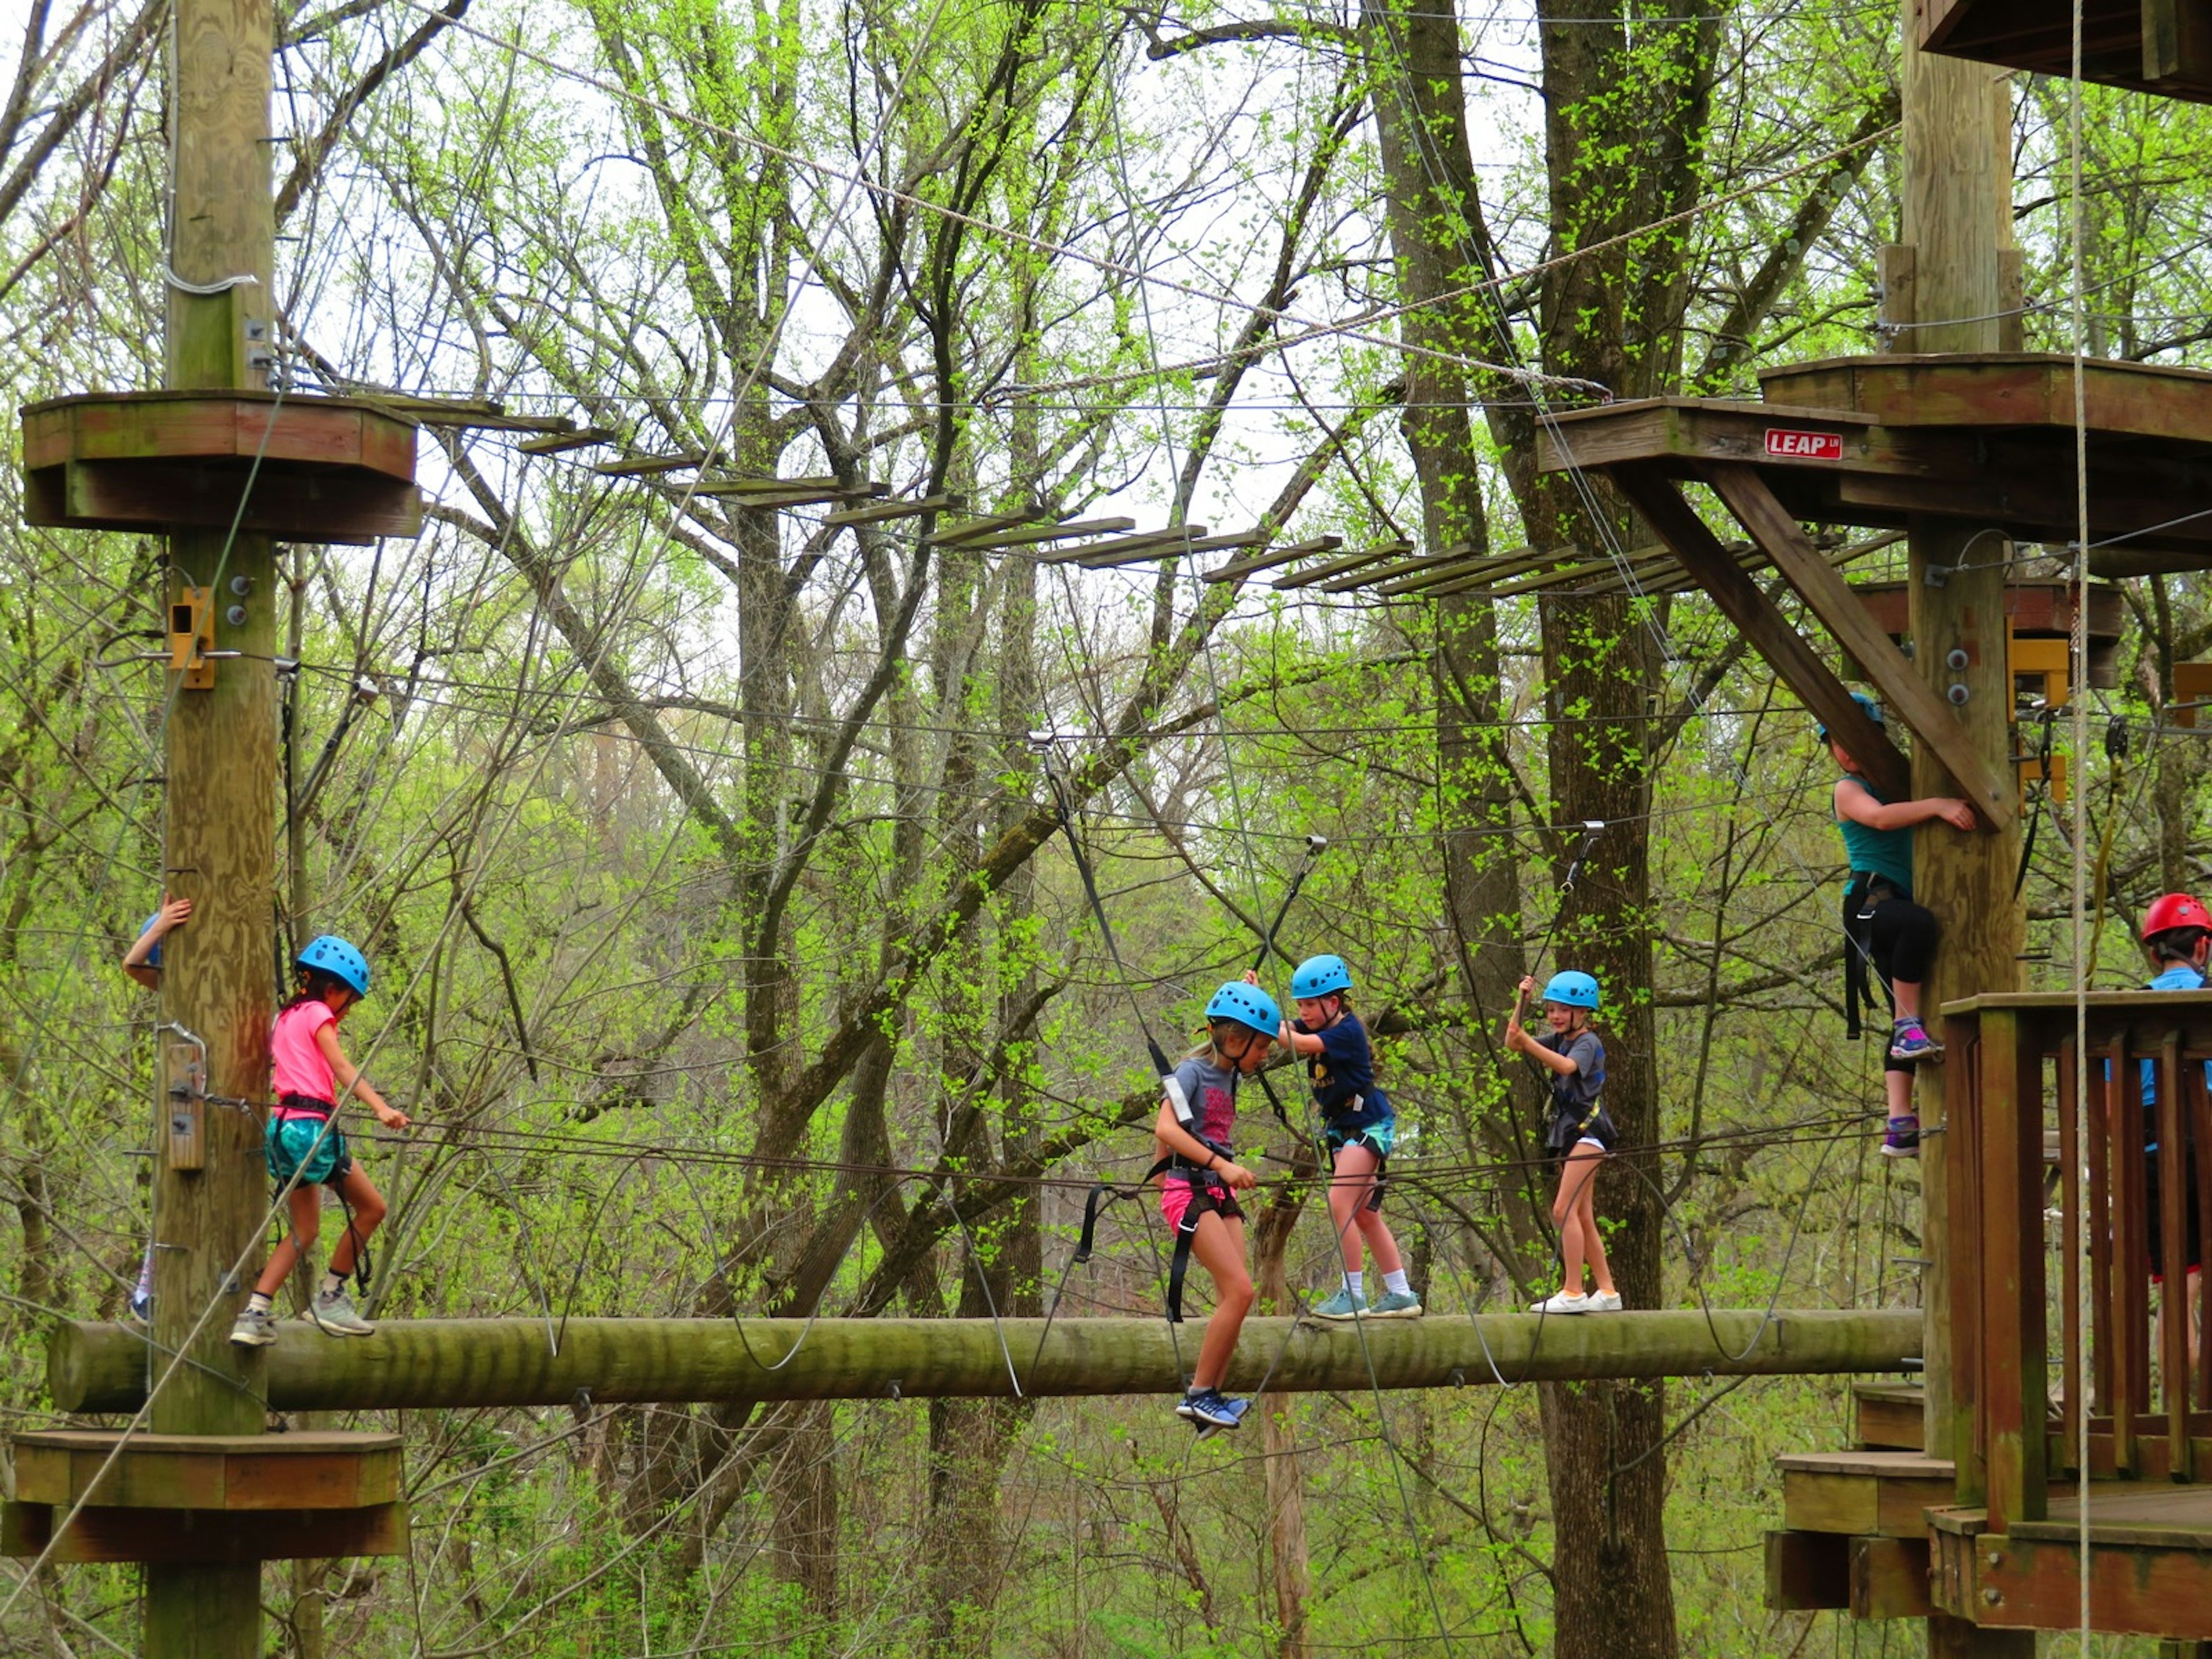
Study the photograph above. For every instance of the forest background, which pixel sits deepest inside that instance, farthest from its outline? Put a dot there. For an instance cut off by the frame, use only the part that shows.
(724, 948)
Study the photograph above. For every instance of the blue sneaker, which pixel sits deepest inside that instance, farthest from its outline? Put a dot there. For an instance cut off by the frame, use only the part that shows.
(1212, 1411)
(1396, 1305)
(1903, 1139)
(1909, 1040)
(1347, 1303)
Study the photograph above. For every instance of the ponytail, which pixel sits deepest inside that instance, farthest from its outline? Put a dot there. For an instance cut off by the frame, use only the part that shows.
(315, 986)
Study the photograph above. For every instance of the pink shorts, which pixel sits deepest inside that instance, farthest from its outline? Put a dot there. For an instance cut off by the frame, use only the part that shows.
(1175, 1202)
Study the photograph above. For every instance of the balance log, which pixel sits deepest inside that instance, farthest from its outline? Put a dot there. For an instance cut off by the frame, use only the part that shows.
(433, 1363)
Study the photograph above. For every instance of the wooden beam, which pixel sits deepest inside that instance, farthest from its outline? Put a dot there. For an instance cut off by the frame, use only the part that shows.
(1808, 1571)
(1995, 796)
(205, 1538)
(1129, 550)
(1350, 562)
(1111, 553)
(1785, 650)
(461, 1362)
(1053, 533)
(882, 512)
(975, 529)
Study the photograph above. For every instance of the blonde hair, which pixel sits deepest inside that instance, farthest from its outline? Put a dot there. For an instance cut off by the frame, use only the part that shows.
(1209, 1044)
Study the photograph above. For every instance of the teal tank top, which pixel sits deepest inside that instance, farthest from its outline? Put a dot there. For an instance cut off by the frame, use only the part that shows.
(1885, 853)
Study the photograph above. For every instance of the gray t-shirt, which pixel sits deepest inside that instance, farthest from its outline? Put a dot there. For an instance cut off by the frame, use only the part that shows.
(1578, 1091)
(1212, 1092)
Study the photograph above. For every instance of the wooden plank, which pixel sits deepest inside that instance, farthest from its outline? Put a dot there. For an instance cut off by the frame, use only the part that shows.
(2198, 1090)
(1994, 797)
(555, 443)
(2126, 1276)
(1391, 574)
(1807, 1572)
(1128, 550)
(1873, 1494)
(648, 466)
(1320, 573)
(953, 535)
(1891, 1416)
(1741, 601)
(882, 512)
(204, 1537)
(2009, 1255)
(1052, 533)
(2003, 389)
(2032, 1583)
(1236, 569)
(1108, 556)
(2071, 1372)
(2174, 1170)
(324, 505)
(1888, 1578)
(308, 1469)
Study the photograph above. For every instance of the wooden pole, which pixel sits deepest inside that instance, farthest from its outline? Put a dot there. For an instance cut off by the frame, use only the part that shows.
(1958, 195)
(429, 1363)
(222, 784)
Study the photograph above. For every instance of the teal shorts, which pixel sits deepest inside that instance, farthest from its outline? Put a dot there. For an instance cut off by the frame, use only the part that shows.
(1378, 1138)
(292, 1148)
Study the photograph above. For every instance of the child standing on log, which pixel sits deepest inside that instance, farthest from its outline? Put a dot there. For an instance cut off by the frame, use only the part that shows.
(306, 1150)
(1883, 926)
(1358, 1127)
(142, 964)
(1580, 1133)
(1199, 1181)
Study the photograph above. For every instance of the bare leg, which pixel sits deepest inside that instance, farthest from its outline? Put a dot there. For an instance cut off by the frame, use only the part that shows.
(305, 1207)
(1219, 1244)
(1897, 1087)
(367, 1207)
(1574, 1211)
(1348, 1193)
(1905, 994)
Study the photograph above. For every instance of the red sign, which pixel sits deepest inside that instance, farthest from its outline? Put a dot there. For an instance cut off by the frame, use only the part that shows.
(1788, 443)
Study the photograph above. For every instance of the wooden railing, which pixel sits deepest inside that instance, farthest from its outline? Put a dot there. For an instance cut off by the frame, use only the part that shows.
(2012, 1149)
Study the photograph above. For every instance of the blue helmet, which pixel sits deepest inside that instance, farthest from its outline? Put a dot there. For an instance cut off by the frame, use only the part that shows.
(1867, 704)
(154, 955)
(1247, 1004)
(1318, 975)
(331, 955)
(1573, 989)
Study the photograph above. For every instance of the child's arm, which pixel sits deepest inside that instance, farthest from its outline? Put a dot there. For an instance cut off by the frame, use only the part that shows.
(174, 913)
(1308, 1043)
(1178, 1139)
(1860, 806)
(344, 1073)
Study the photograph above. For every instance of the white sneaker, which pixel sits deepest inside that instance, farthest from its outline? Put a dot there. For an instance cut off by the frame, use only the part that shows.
(1605, 1302)
(1561, 1302)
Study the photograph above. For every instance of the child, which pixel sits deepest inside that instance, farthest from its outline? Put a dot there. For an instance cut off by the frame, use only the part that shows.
(1581, 1132)
(1882, 923)
(2177, 936)
(143, 963)
(1358, 1127)
(1197, 1116)
(310, 1070)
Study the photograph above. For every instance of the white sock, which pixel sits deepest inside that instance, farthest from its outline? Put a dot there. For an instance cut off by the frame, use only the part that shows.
(258, 1303)
(1397, 1284)
(333, 1284)
(1355, 1282)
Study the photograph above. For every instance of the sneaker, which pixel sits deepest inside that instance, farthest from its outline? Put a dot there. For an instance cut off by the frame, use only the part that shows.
(1561, 1302)
(254, 1328)
(1903, 1139)
(1605, 1301)
(334, 1315)
(142, 1306)
(1908, 1039)
(1347, 1303)
(1396, 1305)
(1212, 1409)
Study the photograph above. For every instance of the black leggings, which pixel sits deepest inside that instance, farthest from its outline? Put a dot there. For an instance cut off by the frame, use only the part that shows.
(1901, 936)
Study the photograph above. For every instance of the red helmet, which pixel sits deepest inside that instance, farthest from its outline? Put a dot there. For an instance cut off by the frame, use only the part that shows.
(2172, 910)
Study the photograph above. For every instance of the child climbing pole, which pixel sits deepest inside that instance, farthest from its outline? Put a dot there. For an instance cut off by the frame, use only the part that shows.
(2176, 936)
(1579, 1133)
(305, 1149)
(142, 963)
(1883, 926)
(1200, 1180)
(1358, 1126)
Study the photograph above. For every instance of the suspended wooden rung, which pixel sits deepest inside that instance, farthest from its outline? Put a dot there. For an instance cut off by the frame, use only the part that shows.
(765, 493)
(883, 512)
(1350, 562)
(1273, 558)
(485, 413)
(960, 535)
(1050, 532)
(2162, 46)
(1169, 545)
(1125, 549)
(1459, 553)
(554, 443)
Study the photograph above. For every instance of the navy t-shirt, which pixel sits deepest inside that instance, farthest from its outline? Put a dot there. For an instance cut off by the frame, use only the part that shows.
(1343, 1074)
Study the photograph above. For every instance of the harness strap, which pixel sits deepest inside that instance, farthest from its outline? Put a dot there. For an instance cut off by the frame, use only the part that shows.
(1205, 1200)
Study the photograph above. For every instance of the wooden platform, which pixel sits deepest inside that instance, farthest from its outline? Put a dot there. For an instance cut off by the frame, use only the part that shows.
(312, 468)
(1890, 1416)
(2150, 1563)
(203, 1498)
(2162, 46)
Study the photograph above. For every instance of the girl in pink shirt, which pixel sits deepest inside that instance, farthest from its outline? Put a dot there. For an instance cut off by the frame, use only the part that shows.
(305, 1149)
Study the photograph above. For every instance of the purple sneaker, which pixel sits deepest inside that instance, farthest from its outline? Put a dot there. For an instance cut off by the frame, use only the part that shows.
(1903, 1139)
(1908, 1039)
